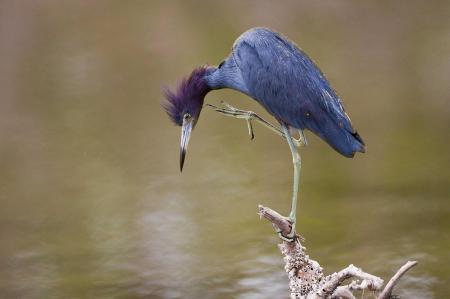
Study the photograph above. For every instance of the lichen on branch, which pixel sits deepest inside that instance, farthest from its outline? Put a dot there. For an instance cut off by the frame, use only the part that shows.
(306, 278)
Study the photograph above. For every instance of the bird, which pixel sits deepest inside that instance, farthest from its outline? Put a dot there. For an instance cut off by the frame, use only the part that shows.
(271, 69)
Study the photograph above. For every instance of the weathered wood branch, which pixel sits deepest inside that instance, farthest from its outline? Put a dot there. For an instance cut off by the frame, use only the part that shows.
(306, 278)
(278, 221)
(333, 281)
(386, 293)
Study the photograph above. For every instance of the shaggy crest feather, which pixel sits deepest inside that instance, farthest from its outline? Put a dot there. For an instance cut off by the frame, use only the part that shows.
(188, 97)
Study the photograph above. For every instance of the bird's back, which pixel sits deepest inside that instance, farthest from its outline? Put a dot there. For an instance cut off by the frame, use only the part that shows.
(282, 78)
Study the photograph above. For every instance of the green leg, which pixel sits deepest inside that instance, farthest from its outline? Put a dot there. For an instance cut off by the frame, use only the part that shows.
(229, 110)
(297, 166)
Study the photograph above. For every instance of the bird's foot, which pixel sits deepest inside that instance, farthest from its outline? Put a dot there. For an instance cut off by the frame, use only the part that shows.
(289, 238)
(229, 110)
(301, 141)
(292, 234)
(249, 116)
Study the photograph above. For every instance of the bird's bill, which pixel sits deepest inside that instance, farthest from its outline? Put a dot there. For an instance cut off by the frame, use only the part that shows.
(185, 135)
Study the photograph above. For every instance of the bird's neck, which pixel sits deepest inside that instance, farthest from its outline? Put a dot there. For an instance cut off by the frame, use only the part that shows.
(227, 76)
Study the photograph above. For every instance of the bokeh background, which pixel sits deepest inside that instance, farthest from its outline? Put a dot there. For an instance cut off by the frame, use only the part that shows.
(92, 204)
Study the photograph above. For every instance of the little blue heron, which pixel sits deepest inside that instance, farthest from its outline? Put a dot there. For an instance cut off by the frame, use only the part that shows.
(272, 70)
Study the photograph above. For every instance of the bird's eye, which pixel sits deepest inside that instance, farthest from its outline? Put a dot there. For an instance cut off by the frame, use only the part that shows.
(220, 65)
(186, 116)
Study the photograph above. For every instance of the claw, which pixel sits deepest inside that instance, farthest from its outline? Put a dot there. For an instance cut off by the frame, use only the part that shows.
(289, 238)
(228, 105)
(222, 110)
(292, 234)
(250, 129)
(213, 107)
(238, 113)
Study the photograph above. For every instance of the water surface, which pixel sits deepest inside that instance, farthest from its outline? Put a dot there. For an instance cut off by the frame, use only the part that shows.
(92, 204)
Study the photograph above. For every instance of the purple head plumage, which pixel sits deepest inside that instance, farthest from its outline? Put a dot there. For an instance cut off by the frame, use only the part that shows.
(185, 104)
(188, 97)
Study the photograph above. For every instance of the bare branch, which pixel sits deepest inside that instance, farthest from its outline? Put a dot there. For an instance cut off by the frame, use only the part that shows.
(305, 275)
(386, 294)
(342, 292)
(278, 220)
(334, 280)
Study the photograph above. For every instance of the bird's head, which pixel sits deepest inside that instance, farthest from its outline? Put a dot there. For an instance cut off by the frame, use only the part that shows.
(185, 104)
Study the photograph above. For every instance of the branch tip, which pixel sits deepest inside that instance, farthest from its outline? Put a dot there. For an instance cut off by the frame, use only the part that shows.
(386, 293)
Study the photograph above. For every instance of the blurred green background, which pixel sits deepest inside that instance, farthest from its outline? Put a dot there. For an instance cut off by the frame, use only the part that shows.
(92, 204)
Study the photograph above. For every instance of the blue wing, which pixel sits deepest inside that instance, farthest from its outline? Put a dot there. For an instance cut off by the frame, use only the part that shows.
(291, 87)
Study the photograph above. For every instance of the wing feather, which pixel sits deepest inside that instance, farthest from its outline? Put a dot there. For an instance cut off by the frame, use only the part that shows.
(286, 81)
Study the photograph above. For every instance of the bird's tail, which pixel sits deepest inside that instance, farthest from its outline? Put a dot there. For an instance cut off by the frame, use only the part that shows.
(340, 135)
(348, 144)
